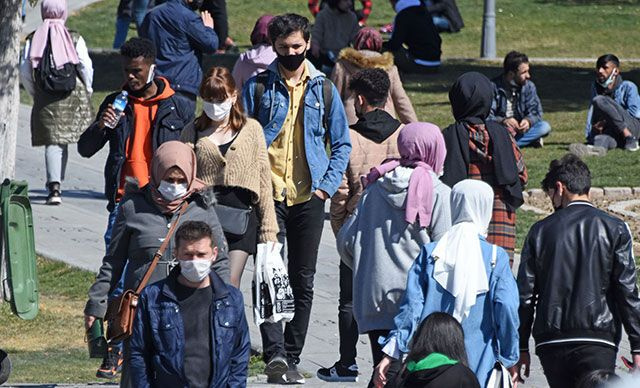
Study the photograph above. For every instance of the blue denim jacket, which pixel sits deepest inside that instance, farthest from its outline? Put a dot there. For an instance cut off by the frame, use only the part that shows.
(326, 171)
(527, 104)
(626, 95)
(157, 343)
(490, 330)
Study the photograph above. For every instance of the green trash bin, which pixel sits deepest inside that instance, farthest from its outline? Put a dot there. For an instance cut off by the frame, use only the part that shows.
(19, 277)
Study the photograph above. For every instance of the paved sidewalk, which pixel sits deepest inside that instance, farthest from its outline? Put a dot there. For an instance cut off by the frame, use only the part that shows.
(73, 232)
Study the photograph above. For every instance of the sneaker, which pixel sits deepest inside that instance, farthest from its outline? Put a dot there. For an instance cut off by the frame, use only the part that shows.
(582, 150)
(538, 143)
(293, 375)
(276, 369)
(54, 197)
(339, 373)
(111, 365)
(631, 144)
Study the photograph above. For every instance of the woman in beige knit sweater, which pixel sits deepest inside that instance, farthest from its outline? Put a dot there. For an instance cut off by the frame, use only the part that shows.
(232, 157)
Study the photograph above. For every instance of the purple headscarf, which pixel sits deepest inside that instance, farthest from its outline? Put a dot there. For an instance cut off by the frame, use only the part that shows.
(260, 33)
(421, 146)
(54, 15)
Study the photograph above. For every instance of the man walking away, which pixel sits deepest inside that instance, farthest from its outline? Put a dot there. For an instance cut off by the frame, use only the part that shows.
(180, 318)
(613, 120)
(516, 103)
(181, 37)
(578, 278)
(308, 145)
(374, 139)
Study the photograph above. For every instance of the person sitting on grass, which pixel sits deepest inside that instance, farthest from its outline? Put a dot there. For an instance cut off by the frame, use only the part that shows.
(516, 103)
(613, 120)
(335, 28)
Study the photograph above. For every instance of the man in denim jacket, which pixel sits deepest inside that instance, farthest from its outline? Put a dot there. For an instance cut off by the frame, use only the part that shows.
(516, 104)
(190, 329)
(307, 137)
(614, 113)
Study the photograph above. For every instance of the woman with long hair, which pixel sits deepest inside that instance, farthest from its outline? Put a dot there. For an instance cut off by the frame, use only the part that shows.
(465, 276)
(144, 217)
(437, 357)
(232, 157)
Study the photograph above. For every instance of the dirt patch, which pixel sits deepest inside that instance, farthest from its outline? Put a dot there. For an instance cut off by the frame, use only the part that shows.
(602, 203)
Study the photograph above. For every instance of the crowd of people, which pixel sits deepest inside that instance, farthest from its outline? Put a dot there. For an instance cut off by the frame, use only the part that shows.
(424, 217)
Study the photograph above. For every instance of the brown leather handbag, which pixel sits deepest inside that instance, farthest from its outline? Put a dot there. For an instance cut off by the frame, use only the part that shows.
(121, 311)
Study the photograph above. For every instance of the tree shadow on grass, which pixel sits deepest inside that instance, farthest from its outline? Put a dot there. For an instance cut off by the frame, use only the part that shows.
(562, 88)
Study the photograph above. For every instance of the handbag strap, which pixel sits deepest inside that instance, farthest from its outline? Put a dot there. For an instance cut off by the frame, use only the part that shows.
(160, 251)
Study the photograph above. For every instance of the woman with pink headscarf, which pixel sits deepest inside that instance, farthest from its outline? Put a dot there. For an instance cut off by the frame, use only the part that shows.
(57, 118)
(367, 54)
(403, 207)
(259, 57)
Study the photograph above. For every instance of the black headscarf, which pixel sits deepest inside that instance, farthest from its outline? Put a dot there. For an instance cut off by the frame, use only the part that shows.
(471, 96)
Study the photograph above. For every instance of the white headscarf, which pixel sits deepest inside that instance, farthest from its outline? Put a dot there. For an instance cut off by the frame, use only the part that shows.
(459, 266)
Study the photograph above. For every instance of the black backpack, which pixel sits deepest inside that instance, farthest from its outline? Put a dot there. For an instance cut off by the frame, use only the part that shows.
(51, 79)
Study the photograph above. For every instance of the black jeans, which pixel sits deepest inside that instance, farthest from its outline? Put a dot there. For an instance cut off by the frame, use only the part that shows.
(347, 326)
(564, 365)
(301, 226)
(378, 355)
(616, 119)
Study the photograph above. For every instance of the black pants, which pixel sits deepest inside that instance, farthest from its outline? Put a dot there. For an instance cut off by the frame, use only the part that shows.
(378, 355)
(565, 365)
(301, 226)
(218, 10)
(347, 326)
(406, 63)
(616, 119)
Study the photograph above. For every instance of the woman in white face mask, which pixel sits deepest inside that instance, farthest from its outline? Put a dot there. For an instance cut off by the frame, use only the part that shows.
(232, 157)
(144, 218)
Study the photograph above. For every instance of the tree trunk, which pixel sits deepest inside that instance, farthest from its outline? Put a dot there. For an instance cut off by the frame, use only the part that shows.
(10, 27)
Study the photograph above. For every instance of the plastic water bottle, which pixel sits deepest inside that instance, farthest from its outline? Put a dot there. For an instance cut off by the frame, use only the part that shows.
(118, 105)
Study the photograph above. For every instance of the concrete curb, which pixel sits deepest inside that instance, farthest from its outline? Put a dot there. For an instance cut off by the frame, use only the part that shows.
(595, 192)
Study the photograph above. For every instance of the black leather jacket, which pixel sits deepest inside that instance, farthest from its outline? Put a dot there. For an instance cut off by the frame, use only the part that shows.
(578, 274)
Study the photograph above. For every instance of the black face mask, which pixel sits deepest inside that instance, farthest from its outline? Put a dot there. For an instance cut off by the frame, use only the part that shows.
(196, 4)
(291, 62)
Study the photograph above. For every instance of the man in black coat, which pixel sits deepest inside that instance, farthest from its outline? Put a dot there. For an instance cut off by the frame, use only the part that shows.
(577, 276)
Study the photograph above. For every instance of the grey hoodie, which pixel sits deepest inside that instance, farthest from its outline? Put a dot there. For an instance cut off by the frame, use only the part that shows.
(380, 246)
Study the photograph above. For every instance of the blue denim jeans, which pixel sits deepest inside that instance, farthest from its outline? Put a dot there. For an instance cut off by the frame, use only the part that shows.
(441, 23)
(123, 21)
(540, 129)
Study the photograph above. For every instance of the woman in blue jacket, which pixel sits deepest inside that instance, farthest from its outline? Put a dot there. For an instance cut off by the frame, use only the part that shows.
(463, 275)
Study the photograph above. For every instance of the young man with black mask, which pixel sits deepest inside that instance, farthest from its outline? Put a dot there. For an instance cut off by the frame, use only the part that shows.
(374, 139)
(181, 37)
(577, 277)
(613, 120)
(152, 116)
(307, 137)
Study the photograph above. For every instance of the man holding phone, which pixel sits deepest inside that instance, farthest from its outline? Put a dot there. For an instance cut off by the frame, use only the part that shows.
(577, 277)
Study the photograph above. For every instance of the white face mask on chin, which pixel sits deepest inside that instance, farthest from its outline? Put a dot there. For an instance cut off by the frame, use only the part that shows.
(172, 191)
(217, 111)
(195, 270)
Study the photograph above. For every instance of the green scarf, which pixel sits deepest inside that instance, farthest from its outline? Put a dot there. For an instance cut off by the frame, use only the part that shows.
(433, 360)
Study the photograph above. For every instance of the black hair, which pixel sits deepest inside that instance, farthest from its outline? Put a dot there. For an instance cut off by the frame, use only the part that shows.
(571, 171)
(193, 231)
(373, 84)
(332, 3)
(438, 333)
(139, 47)
(597, 379)
(513, 60)
(287, 24)
(606, 58)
